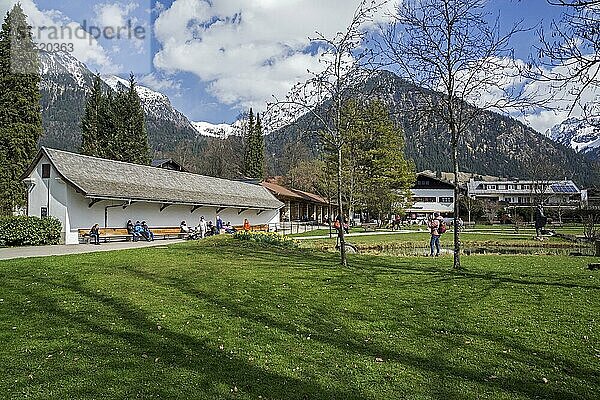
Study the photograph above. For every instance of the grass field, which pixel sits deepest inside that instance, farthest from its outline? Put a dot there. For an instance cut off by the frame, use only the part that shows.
(223, 319)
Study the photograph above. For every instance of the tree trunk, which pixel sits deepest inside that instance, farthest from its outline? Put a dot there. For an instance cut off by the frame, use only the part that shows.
(343, 260)
(456, 198)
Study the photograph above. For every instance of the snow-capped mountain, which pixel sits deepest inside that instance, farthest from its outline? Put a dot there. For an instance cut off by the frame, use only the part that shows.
(65, 84)
(63, 63)
(155, 104)
(220, 131)
(580, 134)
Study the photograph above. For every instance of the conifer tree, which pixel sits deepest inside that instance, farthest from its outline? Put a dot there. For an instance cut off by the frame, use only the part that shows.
(248, 138)
(258, 152)
(20, 113)
(114, 125)
(90, 124)
(133, 134)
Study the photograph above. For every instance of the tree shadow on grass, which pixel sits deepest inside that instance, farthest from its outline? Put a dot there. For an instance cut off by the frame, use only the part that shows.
(173, 351)
(320, 328)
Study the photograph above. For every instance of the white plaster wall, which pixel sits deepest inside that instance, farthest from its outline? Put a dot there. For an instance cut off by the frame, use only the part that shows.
(81, 216)
(434, 206)
(51, 193)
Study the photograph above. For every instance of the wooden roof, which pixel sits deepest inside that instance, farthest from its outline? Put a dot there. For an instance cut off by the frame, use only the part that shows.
(107, 179)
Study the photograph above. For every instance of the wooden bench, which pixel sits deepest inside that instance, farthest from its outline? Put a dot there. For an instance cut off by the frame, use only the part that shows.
(110, 234)
(371, 226)
(253, 228)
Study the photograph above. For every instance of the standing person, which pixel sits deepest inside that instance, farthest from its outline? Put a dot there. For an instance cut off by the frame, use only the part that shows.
(435, 230)
(461, 224)
(246, 224)
(95, 233)
(540, 221)
(219, 225)
(202, 226)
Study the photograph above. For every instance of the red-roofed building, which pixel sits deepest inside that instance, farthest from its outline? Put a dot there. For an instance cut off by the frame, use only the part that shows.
(299, 205)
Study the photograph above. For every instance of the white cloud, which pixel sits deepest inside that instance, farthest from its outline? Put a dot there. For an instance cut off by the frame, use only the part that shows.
(158, 83)
(247, 50)
(47, 23)
(114, 14)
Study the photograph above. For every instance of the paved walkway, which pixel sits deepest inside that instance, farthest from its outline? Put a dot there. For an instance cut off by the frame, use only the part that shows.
(60, 250)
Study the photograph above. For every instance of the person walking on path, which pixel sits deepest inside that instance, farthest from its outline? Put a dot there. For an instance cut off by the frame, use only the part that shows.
(203, 227)
(434, 228)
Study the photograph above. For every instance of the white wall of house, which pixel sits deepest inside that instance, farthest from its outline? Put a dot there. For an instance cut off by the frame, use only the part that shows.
(49, 193)
(444, 207)
(83, 216)
(74, 212)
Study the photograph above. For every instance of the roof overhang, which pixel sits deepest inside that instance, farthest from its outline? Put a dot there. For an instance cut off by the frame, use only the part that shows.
(176, 203)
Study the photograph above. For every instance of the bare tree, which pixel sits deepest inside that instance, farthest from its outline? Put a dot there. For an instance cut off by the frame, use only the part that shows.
(569, 55)
(322, 96)
(460, 64)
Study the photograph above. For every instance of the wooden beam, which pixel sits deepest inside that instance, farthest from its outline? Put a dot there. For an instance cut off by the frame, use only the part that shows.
(94, 201)
(125, 205)
(195, 208)
(260, 212)
(242, 210)
(220, 210)
(165, 206)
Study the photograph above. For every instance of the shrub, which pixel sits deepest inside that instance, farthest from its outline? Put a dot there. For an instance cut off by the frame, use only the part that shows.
(29, 231)
(268, 238)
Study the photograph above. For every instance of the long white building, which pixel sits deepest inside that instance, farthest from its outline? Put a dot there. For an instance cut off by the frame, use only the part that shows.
(81, 191)
(526, 192)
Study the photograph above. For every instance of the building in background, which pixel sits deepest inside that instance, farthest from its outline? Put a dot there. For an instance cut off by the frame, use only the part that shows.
(431, 195)
(299, 206)
(527, 193)
(168, 164)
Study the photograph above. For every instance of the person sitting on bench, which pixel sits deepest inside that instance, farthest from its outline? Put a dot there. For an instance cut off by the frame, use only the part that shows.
(229, 229)
(146, 232)
(131, 230)
(95, 233)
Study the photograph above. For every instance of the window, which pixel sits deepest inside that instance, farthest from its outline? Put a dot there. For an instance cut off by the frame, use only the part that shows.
(491, 187)
(44, 212)
(424, 199)
(501, 187)
(45, 170)
(446, 200)
(422, 183)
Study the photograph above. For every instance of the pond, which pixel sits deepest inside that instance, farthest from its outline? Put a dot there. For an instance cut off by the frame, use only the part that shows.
(578, 250)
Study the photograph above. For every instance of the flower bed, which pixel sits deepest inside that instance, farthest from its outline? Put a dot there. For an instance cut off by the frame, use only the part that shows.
(269, 238)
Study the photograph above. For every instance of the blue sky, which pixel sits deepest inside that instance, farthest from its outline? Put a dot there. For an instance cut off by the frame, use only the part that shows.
(214, 59)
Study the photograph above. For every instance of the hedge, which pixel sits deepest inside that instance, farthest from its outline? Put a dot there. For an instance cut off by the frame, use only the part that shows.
(29, 231)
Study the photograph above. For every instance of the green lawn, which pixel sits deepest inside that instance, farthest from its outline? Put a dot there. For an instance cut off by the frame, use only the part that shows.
(223, 319)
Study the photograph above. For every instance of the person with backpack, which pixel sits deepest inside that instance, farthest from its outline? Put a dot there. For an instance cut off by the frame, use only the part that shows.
(437, 227)
(540, 222)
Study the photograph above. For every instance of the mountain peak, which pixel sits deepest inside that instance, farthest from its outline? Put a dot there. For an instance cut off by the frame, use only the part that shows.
(578, 133)
(53, 64)
(220, 131)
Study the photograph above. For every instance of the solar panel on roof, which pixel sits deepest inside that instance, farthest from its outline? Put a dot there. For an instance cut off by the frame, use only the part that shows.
(561, 188)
